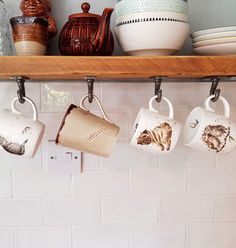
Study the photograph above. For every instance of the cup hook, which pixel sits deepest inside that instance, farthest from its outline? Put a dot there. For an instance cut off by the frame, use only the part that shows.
(90, 82)
(20, 80)
(214, 91)
(158, 90)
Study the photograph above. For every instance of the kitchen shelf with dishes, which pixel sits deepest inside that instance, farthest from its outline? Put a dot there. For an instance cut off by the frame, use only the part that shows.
(124, 68)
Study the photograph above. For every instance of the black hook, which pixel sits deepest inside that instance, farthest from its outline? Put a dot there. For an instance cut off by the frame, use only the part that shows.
(214, 91)
(21, 85)
(158, 91)
(90, 82)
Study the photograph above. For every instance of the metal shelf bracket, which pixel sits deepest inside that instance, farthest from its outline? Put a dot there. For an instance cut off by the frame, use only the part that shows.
(90, 83)
(20, 80)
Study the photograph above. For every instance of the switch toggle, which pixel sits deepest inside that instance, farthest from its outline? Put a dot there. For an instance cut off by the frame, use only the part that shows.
(68, 157)
(61, 160)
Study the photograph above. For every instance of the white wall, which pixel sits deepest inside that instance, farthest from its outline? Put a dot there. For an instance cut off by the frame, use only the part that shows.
(133, 199)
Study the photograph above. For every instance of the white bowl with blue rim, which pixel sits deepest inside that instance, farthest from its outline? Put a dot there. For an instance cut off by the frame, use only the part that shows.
(151, 37)
(126, 7)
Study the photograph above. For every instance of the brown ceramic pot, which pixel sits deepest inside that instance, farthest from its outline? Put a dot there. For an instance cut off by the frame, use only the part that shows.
(40, 8)
(30, 35)
(87, 34)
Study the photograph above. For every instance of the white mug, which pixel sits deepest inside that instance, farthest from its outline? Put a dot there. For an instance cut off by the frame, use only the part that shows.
(19, 134)
(206, 130)
(154, 132)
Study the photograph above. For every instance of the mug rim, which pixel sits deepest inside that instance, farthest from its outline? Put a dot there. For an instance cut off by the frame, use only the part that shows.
(71, 107)
(28, 20)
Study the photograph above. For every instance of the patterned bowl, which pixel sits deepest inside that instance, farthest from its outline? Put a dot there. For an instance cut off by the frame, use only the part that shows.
(152, 38)
(151, 16)
(126, 7)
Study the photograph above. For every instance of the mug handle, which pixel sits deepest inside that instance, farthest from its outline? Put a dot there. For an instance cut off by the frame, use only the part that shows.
(105, 117)
(171, 110)
(223, 100)
(16, 111)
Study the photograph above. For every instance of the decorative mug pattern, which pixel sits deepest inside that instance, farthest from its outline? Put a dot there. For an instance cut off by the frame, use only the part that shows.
(208, 131)
(154, 132)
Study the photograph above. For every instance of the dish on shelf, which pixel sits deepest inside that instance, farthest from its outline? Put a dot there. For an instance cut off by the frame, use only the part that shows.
(151, 16)
(152, 38)
(125, 7)
(214, 41)
(212, 30)
(214, 36)
(218, 49)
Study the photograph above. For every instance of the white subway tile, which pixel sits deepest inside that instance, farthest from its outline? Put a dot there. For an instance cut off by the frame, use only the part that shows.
(126, 96)
(82, 211)
(225, 209)
(122, 121)
(153, 236)
(186, 209)
(158, 182)
(101, 236)
(5, 184)
(8, 93)
(213, 181)
(125, 156)
(41, 184)
(129, 210)
(52, 122)
(6, 238)
(57, 97)
(20, 212)
(90, 161)
(101, 183)
(186, 96)
(46, 237)
(211, 235)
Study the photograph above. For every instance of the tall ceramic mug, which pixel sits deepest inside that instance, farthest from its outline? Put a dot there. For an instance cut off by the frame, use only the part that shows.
(154, 132)
(206, 130)
(19, 134)
(84, 131)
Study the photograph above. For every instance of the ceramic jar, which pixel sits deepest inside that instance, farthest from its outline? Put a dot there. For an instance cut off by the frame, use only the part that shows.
(30, 35)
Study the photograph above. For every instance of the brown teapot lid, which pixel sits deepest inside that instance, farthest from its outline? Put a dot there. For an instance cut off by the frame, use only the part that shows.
(85, 7)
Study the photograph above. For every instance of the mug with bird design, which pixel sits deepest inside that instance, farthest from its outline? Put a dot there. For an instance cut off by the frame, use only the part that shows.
(20, 134)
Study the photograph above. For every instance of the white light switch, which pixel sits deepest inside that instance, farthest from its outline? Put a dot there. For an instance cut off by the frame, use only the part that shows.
(68, 157)
(58, 159)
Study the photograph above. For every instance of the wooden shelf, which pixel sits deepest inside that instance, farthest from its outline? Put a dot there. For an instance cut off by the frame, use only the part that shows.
(120, 67)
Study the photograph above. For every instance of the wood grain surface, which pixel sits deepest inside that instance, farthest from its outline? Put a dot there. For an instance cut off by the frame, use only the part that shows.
(120, 67)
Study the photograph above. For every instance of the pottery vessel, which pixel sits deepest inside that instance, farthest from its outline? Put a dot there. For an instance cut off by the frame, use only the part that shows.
(40, 8)
(87, 34)
(30, 35)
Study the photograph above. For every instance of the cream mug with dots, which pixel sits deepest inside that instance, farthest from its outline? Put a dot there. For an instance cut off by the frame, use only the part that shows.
(86, 132)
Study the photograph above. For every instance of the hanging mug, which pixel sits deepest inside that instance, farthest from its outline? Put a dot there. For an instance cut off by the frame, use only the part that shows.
(154, 132)
(206, 130)
(20, 134)
(84, 131)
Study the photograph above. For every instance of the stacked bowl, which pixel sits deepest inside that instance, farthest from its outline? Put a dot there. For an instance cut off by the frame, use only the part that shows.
(215, 41)
(151, 27)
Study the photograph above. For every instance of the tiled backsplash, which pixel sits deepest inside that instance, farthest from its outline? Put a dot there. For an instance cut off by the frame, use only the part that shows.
(131, 200)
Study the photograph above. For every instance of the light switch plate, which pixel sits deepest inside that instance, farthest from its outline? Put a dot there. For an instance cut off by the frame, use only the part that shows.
(58, 159)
